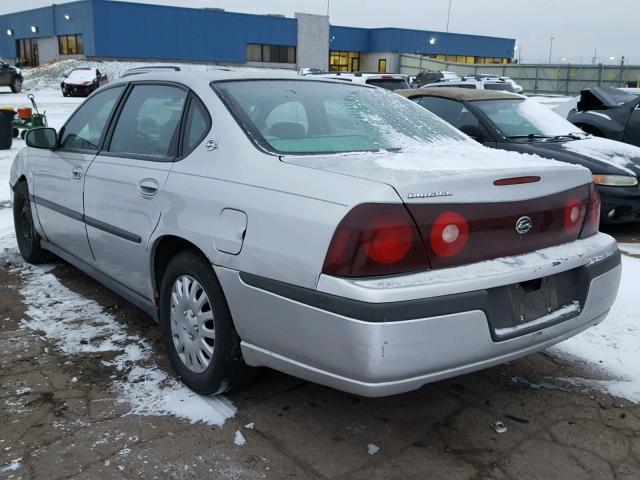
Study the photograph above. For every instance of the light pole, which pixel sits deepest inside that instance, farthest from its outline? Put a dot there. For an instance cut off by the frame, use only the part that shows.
(328, 4)
(449, 14)
(550, 48)
(518, 49)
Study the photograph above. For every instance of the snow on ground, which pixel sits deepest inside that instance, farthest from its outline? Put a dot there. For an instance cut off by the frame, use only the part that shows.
(613, 347)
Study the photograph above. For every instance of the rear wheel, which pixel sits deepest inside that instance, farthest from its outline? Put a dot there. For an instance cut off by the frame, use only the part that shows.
(26, 235)
(16, 85)
(197, 328)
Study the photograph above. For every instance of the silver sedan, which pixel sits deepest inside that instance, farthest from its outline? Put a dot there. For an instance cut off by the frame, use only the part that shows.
(333, 231)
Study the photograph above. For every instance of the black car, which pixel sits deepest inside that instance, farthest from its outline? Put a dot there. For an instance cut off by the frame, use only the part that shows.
(512, 122)
(82, 81)
(608, 112)
(11, 77)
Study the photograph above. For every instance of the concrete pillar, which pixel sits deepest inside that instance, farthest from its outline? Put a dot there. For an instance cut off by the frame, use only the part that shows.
(313, 41)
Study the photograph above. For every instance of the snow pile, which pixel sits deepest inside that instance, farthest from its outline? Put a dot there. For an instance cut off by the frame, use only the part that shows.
(372, 449)
(51, 75)
(12, 466)
(613, 347)
(239, 438)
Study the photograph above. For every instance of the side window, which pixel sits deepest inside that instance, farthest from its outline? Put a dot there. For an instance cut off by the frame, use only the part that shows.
(148, 122)
(197, 125)
(85, 128)
(450, 111)
(287, 120)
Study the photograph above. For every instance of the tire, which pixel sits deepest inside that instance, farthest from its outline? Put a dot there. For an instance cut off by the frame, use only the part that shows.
(26, 235)
(65, 93)
(16, 85)
(16, 133)
(205, 365)
(23, 134)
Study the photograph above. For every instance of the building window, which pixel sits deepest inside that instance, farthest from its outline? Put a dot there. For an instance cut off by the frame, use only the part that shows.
(257, 52)
(70, 45)
(344, 61)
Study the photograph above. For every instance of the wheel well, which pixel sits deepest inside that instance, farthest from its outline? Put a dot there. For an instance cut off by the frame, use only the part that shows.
(590, 129)
(20, 180)
(166, 248)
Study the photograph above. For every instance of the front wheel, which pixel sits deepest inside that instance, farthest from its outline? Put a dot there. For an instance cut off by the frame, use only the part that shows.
(26, 235)
(197, 328)
(16, 85)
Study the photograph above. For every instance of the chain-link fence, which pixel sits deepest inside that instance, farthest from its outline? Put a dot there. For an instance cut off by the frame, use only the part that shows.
(562, 79)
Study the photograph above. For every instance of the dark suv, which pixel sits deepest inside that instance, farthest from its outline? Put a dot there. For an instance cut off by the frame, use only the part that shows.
(10, 77)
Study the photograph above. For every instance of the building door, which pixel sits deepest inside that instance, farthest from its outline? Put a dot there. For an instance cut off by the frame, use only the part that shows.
(35, 56)
(355, 64)
(382, 65)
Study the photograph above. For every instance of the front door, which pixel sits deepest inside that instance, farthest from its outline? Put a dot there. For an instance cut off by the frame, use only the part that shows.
(632, 133)
(124, 185)
(382, 65)
(58, 175)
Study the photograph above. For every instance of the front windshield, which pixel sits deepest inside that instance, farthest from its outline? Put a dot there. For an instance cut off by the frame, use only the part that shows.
(521, 118)
(313, 117)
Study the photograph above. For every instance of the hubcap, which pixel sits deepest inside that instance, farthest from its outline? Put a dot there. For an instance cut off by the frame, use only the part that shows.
(192, 324)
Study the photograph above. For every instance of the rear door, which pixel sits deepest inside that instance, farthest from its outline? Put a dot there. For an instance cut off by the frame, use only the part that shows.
(124, 186)
(59, 174)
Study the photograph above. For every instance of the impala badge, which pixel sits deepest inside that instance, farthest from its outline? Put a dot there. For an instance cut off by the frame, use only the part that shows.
(524, 225)
(211, 145)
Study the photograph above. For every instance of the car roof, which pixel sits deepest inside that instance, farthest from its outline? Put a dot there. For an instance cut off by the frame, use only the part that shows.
(460, 94)
(202, 77)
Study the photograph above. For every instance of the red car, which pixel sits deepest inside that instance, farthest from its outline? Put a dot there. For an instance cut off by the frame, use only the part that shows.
(82, 81)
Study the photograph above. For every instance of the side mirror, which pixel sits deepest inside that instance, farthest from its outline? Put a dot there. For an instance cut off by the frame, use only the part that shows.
(45, 138)
(474, 131)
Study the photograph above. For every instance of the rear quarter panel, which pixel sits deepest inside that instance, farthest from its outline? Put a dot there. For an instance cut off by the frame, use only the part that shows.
(292, 211)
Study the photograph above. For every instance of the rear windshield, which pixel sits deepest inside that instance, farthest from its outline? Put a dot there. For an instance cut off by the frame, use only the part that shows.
(389, 83)
(313, 117)
(505, 87)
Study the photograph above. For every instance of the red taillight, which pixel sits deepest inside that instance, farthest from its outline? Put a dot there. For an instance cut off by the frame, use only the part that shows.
(449, 234)
(375, 239)
(574, 214)
(516, 181)
(592, 219)
(390, 240)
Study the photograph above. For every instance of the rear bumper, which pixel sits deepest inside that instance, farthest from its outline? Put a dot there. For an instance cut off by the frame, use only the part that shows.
(388, 347)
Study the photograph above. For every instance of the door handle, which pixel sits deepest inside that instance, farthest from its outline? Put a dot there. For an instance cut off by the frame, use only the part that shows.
(148, 187)
(77, 173)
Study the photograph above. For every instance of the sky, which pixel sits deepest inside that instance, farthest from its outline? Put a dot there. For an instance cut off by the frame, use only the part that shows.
(579, 27)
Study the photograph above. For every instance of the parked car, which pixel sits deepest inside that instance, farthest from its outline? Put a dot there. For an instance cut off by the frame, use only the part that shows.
(330, 230)
(516, 87)
(427, 76)
(476, 83)
(82, 81)
(11, 77)
(608, 112)
(513, 122)
(388, 81)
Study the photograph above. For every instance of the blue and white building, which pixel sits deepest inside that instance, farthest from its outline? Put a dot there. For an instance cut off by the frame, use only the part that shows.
(104, 29)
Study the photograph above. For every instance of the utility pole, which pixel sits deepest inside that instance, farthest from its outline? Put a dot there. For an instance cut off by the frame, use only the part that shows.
(328, 4)
(449, 15)
(595, 56)
(550, 49)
